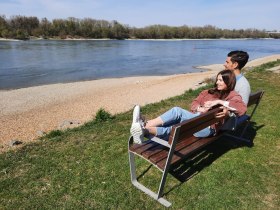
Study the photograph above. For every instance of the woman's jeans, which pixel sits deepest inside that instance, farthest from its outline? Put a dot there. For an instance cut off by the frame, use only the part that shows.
(178, 115)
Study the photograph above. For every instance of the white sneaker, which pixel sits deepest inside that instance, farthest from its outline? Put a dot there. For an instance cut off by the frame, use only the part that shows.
(136, 129)
(136, 114)
(137, 132)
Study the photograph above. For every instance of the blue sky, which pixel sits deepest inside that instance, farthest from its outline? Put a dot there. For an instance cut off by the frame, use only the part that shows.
(232, 14)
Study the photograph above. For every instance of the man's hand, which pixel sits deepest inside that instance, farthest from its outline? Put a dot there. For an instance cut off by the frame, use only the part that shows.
(224, 113)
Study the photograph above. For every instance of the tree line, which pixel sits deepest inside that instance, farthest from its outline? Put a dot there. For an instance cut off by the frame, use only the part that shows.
(23, 28)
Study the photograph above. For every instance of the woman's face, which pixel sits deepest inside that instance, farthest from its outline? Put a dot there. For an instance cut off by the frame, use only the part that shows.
(220, 83)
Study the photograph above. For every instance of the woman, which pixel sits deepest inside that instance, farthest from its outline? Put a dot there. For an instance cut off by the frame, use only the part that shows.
(222, 94)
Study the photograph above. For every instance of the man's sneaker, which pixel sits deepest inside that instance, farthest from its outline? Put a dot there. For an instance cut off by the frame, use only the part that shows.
(137, 132)
(136, 114)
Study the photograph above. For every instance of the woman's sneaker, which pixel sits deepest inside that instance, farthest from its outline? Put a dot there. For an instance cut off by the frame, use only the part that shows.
(137, 132)
(136, 114)
(136, 129)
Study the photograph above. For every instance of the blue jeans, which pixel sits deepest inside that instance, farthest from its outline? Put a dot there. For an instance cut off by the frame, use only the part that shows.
(178, 115)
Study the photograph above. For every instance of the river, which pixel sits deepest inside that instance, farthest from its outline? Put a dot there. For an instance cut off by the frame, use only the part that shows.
(39, 62)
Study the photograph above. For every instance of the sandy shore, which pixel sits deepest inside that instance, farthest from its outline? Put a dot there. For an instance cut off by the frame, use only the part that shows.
(26, 113)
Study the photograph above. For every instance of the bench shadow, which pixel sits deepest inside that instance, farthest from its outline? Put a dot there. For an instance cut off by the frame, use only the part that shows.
(192, 165)
(250, 134)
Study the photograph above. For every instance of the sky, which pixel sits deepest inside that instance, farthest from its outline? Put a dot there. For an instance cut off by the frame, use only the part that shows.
(225, 14)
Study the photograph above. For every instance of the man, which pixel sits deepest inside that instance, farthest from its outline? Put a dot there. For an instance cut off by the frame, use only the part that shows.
(235, 61)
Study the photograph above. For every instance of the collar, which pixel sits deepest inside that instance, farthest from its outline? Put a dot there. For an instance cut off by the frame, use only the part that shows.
(239, 76)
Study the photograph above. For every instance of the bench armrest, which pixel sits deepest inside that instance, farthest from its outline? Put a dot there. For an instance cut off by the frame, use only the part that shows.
(159, 141)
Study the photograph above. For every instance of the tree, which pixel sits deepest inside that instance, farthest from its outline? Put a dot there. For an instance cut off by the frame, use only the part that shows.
(59, 28)
(22, 27)
(45, 28)
(3, 27)
(119, 31)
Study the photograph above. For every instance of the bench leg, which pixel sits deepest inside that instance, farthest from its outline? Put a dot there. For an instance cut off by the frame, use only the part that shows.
(142, 187)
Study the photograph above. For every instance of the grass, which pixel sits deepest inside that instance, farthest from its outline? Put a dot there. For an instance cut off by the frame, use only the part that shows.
(87, 167)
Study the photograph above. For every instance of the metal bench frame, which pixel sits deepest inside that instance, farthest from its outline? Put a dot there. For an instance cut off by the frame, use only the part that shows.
(181, 134)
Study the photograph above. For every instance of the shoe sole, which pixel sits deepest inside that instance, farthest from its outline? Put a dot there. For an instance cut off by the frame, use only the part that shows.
(136, 114)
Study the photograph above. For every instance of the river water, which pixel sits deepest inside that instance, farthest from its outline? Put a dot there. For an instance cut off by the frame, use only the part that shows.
(39, 62)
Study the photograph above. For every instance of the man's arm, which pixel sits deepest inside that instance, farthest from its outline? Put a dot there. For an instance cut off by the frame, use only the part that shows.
(243, 89)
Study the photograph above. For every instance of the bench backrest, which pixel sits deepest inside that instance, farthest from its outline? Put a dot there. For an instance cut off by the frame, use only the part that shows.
(188, 128)
(255, 99)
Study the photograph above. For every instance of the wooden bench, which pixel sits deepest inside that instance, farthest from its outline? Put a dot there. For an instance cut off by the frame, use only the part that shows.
(181, 143)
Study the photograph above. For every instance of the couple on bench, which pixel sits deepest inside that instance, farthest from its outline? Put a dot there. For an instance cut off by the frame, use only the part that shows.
(222, 94)
(231, 91)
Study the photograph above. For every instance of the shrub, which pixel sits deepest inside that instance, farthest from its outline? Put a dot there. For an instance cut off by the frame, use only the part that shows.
(102, 115)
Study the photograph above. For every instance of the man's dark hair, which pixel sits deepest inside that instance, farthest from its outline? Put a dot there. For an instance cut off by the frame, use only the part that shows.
(240, 57)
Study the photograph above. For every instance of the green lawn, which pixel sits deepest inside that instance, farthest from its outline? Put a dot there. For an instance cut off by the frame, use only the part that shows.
(87, 167)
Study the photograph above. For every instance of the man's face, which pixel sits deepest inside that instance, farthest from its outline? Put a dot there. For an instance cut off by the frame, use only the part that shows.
(229, 64)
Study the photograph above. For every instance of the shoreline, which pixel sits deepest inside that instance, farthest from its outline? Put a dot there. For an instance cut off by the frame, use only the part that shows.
(26, 113)
(129, 39)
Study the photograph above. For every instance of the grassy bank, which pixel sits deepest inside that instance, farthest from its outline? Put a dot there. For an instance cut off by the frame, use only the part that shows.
(87, 167)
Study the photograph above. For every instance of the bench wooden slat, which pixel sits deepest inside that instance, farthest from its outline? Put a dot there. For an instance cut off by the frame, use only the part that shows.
(186, 149)
(159, 156)
(186, 142)
(145, 147)
(134, 147)
(189, 127)
(158, 153)
(148, 153)
(191, 131)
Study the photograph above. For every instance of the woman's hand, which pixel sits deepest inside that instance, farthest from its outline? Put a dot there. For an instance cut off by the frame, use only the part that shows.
(209, 104)
(202, 109)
